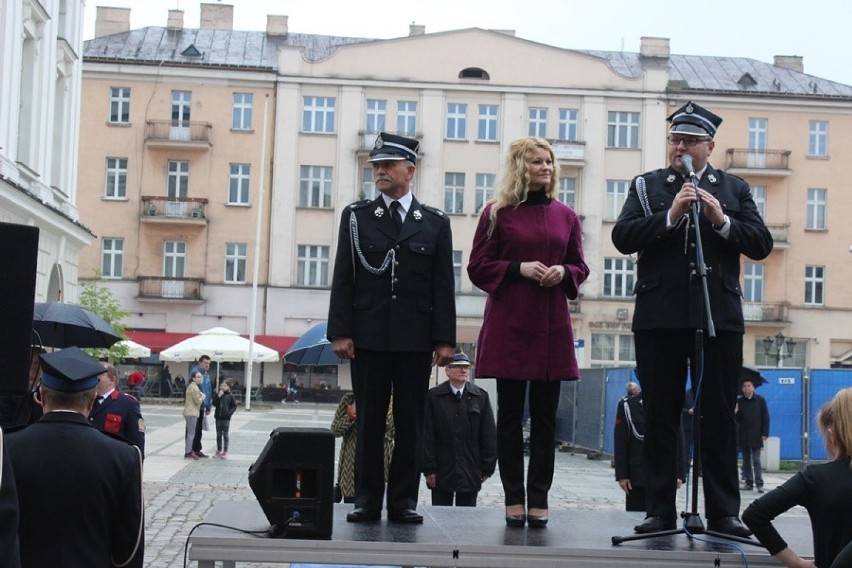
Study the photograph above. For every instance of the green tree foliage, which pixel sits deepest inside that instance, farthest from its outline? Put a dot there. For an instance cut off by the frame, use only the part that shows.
(97, 298)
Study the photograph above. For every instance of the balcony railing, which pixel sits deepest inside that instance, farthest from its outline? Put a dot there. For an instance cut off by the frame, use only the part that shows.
(744, 158)
(170, 288)
(566, 151)
(178, 134)
(172, 209)
(765, 311)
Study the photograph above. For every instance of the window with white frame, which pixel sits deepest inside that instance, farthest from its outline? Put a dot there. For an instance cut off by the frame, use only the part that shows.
(758, 129)
(235, 263)
(758, 193)
(567, 192)
(238, 184)
(312, 265)
(753, 282)
(119, 105)
(816, 209)
(622, 129)
(568, 124)
(368, 185)
(612, 350)
(178, 179)
(616, 194)
(484, 190)
(814, 285)
(318, 114)
(406, 118)
(818, 138)
(457, 269)
(456, 121)
(116, 178)
(538, 122)
(112, 257)
(487, 130)
(618, 277)
(377, 110)
(315, 186)
(453, 192)
(241, 111)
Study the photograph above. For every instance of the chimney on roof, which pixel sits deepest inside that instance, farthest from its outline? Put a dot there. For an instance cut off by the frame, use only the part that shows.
(791, 62)
(110, 21)
(415, 29)
(217, 16)
(655, 47)
(175, 21)
(276, 25)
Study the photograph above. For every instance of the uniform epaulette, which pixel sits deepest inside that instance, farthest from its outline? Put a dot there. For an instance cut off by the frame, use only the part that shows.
(359, 204)
(431, 209)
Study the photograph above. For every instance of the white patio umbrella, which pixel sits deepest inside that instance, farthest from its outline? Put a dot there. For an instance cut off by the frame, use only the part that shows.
(220, 344)
(135, 350)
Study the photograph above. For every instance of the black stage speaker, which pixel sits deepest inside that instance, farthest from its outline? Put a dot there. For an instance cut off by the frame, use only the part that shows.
(19, 252)
(293, 480)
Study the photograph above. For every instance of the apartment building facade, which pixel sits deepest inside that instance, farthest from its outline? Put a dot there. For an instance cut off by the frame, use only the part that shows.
(465, 95)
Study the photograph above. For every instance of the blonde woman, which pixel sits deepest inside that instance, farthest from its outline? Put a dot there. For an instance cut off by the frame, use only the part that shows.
(528, 256)
(825, 490)
(191, 412)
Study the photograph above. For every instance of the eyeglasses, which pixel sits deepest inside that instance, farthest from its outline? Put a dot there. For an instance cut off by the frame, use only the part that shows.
(688, 142)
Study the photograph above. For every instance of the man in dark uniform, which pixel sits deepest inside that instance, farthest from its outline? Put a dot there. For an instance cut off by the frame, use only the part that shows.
(9, 551)
(752, 415)
(656, 224)
(392, 306)
(80, 491)
(628, 434)
(117, 412)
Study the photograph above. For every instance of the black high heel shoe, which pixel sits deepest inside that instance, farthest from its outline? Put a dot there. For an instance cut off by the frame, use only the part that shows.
(516, 521)
(537, 521)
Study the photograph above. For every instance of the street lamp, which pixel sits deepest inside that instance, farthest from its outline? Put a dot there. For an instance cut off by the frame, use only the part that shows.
(782, 346)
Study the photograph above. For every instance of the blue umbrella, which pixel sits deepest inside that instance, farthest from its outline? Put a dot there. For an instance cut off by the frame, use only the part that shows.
(313, 348)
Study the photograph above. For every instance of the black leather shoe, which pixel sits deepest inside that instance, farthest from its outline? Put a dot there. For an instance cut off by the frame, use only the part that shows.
(729, 525)
(654, 524)
(516, 521)
(537, 521)
(409, 516)
(362, 515)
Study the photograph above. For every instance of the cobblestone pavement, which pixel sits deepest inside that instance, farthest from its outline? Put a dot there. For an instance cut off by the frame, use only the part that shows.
(179, 492)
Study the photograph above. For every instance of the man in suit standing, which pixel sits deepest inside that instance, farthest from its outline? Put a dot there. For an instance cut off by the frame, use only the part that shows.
(117, 412)
(753, 429)
(656, 224)
(392, 312)
(80, 491)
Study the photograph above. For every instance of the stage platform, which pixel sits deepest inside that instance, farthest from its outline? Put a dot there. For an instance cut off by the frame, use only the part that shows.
(478, 537)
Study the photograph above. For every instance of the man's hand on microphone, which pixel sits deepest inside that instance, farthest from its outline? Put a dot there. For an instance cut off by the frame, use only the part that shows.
(687, 195)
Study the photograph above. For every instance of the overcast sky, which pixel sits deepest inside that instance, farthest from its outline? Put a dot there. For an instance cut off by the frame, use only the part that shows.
(815, 29)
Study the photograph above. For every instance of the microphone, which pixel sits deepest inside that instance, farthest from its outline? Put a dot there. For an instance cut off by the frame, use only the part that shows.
(686, 160)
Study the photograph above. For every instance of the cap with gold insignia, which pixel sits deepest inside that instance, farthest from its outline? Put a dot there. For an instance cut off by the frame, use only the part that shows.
(694, 120)
(69, 370)
(459, 360)
(393, 147)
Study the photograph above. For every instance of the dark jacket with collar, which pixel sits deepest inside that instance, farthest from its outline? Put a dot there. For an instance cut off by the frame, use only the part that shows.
(666, 256)
(459, 438)
(120, 414)
(752, 421)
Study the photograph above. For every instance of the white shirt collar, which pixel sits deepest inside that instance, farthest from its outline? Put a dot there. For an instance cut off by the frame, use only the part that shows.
(404, 203)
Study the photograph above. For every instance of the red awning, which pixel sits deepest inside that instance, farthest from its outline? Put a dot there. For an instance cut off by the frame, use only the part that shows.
(159, 341)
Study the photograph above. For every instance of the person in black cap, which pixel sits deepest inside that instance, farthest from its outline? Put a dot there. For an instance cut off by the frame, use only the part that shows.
(117, 412)
(655, 223)
(459, 437)
(392, 311)
(80, 491)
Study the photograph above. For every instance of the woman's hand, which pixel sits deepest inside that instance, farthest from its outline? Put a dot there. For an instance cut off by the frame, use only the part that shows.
(533, 270)
(553, 276)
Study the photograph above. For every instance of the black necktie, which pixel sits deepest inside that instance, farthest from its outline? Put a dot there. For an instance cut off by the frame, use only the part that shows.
(396, 216)
(458, 395)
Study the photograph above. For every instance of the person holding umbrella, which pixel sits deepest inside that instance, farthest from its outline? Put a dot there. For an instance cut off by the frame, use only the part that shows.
(752, 417)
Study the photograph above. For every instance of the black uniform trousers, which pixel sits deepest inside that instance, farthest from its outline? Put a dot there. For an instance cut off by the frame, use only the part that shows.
(462, 498)
(375, 376)
(544, 400)
(662, 359)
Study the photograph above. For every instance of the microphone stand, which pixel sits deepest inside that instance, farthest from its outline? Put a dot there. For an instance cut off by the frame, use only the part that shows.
(692, 523)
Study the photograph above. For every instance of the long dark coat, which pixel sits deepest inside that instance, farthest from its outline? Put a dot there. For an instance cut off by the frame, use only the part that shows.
(526, 331)
(459, 438)
(752, 421)
(80, 494)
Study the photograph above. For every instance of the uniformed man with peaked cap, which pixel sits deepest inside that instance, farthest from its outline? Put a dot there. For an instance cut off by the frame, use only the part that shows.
(656, 224)
(392, 312)
(80, 490)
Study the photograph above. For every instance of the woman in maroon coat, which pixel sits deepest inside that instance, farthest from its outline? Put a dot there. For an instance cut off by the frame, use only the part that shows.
(528, 256)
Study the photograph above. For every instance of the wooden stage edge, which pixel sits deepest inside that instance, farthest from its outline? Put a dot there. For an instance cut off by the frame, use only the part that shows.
(478, 537)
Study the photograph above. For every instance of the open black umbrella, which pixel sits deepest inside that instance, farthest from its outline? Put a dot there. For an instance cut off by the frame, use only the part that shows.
(313, 348)
(65, 325)
(751, 374)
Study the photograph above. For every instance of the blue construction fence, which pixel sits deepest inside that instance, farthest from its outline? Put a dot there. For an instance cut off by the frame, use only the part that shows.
(586, 416)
